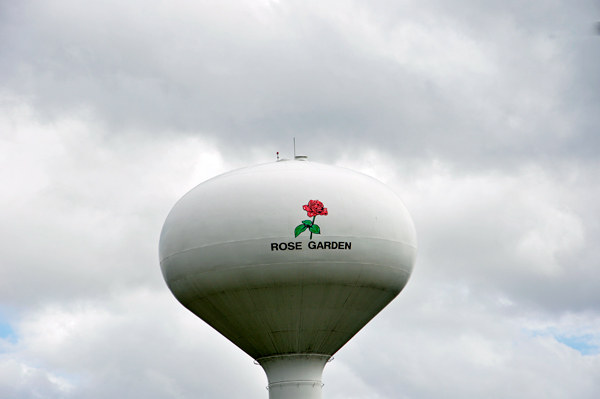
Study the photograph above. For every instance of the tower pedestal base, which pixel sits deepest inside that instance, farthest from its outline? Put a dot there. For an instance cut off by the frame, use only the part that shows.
(295, 376)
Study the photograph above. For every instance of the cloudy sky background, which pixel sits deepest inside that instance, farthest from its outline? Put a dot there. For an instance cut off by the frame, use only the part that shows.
(482, 116)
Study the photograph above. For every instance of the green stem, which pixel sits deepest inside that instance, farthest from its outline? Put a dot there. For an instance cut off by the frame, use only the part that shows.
(313, 222)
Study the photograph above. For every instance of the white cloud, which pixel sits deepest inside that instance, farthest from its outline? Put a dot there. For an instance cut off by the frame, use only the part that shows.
(18, 380)
(86, 210)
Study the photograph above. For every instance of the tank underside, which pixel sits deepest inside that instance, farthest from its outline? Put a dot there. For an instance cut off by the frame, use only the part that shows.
(287, 308)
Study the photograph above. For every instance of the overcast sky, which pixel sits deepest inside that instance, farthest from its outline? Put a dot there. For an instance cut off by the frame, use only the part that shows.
(483, 116)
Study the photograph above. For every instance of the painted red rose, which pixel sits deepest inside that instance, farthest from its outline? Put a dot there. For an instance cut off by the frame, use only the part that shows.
(315, 208)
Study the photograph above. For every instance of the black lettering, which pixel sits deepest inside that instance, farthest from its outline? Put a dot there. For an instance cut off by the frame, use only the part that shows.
(274, 246)
(327, 245)
(320, 245)
(291, 246)
(334, 245)
(283, 246)
(348, 245)
(299, 245)
(341, 245)
(312, 245)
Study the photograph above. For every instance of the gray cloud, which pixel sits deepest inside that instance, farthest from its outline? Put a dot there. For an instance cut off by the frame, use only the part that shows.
(483, 117)
(482, 85)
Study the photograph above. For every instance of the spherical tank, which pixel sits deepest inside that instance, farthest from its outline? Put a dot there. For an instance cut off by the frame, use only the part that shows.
(288, 260)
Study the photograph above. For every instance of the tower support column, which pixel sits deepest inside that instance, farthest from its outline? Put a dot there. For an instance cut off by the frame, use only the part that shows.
(294, 376)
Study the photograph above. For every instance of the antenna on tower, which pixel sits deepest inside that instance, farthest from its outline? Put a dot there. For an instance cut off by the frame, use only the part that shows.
(294, 148)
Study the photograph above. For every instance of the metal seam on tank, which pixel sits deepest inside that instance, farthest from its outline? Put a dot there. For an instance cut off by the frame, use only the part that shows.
(301, 308)
(223, 317)
(295, 382)
(372, 315)
(263, 323)
(269, 333)
(279, 238)
(247, 289)
(337, 317)
(286, 263)
(300, 263)
(375, 314)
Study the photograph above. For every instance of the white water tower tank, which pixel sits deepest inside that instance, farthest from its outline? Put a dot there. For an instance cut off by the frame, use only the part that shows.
(288, 260)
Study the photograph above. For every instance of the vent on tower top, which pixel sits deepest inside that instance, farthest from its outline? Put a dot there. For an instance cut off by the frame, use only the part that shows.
(301, 158)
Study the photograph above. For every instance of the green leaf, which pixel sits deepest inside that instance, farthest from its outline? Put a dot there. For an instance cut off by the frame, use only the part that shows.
(299, 229)
(307, 223)
(315, 229)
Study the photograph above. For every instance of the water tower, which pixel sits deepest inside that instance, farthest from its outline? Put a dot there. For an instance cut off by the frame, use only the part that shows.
(288, 260)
